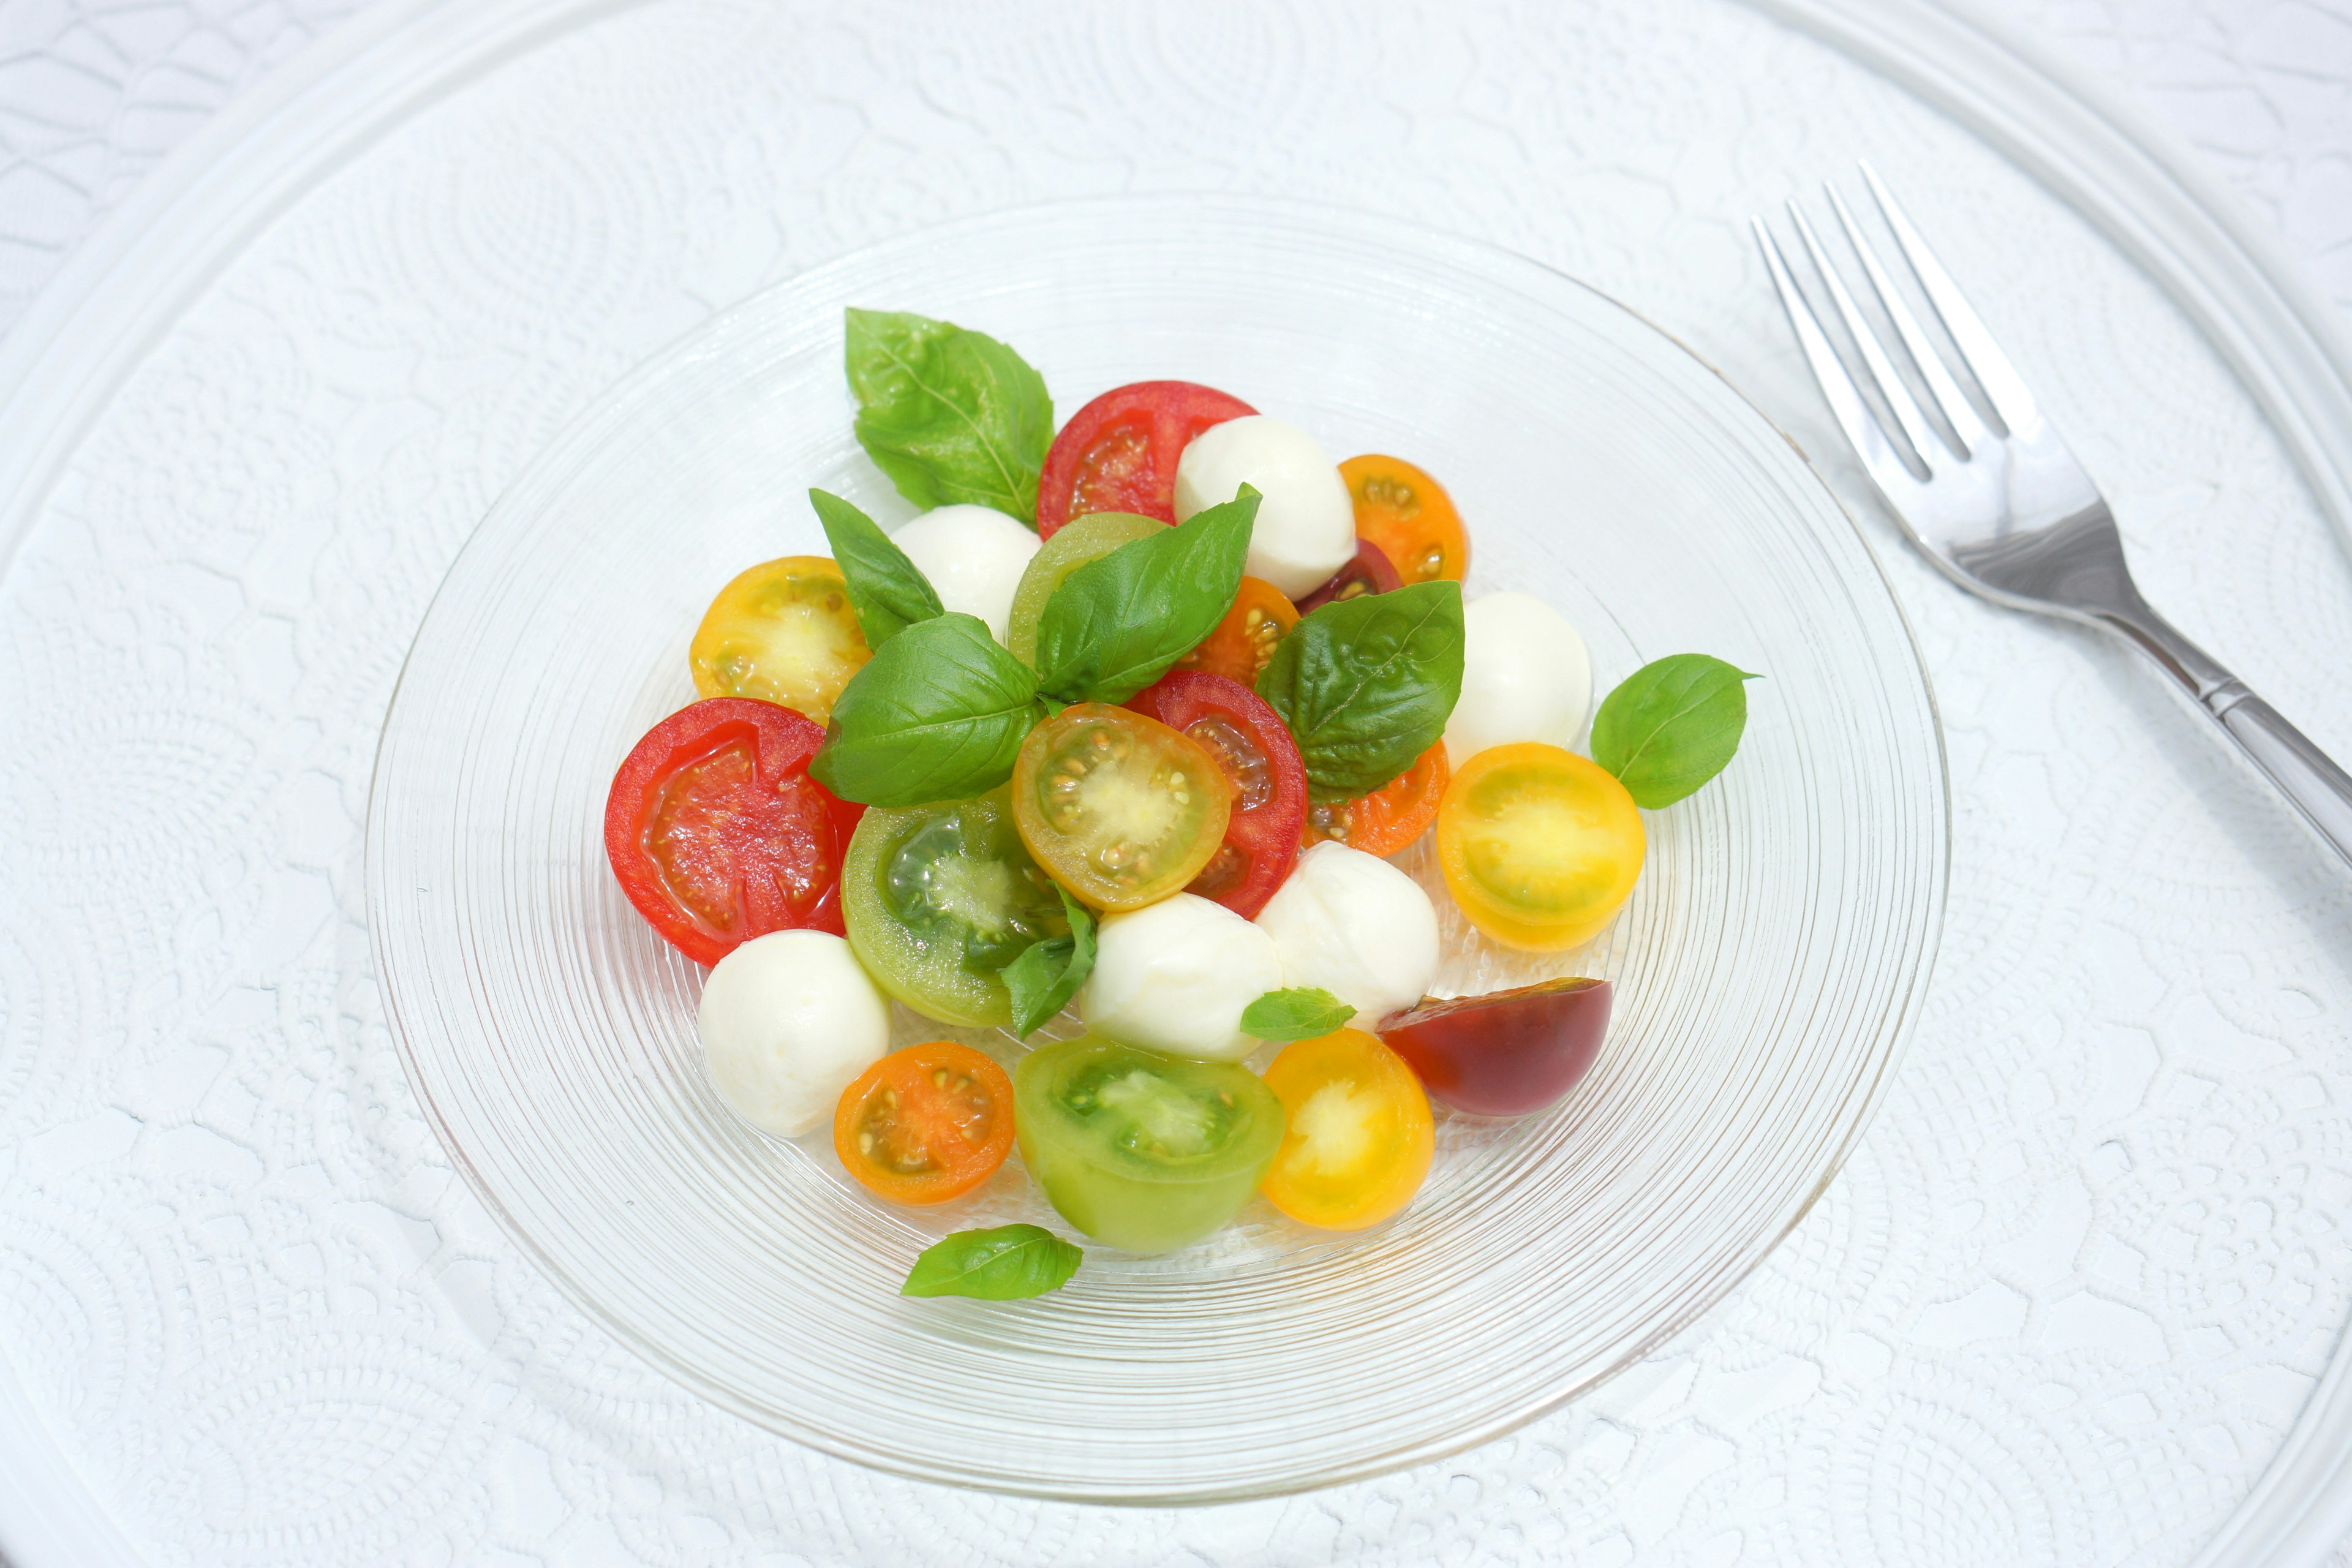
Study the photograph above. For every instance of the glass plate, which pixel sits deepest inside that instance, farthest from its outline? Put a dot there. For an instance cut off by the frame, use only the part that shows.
(1768, 969)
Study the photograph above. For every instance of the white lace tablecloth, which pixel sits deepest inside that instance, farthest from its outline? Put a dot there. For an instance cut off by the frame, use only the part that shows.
(2063, 1306)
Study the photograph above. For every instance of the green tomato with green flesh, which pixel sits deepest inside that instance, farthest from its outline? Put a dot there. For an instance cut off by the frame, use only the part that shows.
(1139, 1151)
(1085, 539)
(939, 897)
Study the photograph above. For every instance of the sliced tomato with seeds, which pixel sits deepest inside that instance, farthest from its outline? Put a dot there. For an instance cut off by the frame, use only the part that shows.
(719, 835)
(1119, 453)
(1249, 740)
(1409, 516)
(1243, 643)
(1118, 808)
(1368, 572)
(1388, 820)
(925, 1124)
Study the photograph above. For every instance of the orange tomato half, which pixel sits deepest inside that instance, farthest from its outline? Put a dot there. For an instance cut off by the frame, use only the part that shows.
(1390, 818)
(1409, 515)
(925, 1124)
(1244, 642)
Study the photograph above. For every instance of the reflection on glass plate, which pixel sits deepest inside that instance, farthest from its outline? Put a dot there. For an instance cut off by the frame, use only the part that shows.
(1768, 969)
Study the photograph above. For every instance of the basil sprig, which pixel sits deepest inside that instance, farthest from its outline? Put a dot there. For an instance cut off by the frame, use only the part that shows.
(949, 414)
(1050, 970)
(1118, 623)
(1671, 726)
(938, 713)
(1367, 684)
(1009, 1263)
(1300, 1013)
(888, 591)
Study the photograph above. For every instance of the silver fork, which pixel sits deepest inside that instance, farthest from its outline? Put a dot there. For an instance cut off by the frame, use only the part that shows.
(2010, 513)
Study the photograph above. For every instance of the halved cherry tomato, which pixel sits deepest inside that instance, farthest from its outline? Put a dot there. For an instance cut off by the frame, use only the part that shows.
(1243, 643)
(1358, 1137)
(782, 632)
(717, 832)
(1082, 541)
(1369, 572)
(1118, 808)
(1409, 515)
(1505, 1053)
(1119, 453)
(925, 1124)
(1250, 743)
(1388, 820)
(1540, 846)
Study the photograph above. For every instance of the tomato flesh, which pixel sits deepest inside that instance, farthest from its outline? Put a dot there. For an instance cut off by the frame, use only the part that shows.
(1085, 540)
(782, 632)
(1118, 808)
(925, 1124)
(1507, 1053)
(1409, 515)
(1119, 453)
(1368, 572)
(1387, 821)
(717, 834)
(1243, 644)
(1250, 743)
(1139, 1151)
(940, 899)
(1539, 846)
(1358, 1139)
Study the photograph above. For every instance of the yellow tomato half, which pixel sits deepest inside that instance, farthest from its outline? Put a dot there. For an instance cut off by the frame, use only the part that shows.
(1357, 1140)
(782, 632)
(1540, 846)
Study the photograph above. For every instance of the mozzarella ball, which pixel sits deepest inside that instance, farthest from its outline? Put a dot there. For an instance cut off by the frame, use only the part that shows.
(974, 556)
(1355, 926)
(1525, 677)
(1306, 527)
(787, 1020)
(1174, 976)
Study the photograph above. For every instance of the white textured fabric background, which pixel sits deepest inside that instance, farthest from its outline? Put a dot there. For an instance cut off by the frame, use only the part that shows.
(2081, 1353)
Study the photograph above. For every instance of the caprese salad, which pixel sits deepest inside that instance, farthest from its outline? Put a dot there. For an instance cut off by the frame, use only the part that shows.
(1130, 721)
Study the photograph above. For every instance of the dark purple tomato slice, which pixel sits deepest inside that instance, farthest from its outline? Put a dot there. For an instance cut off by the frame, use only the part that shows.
(1508, 1052)
(1369, 572)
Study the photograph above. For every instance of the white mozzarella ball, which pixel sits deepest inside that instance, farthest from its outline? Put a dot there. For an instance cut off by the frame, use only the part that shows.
(787, 1020)
(974, 556)
(1354, 925)
(1174, 976)
(1525, 677)
(1306, 526)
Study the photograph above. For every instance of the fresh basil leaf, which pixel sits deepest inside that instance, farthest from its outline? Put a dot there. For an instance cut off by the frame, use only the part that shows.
(949, 414)
(1117, 623)
(1009, 1263)
(888, 591)
(1301, 1013)
(938, 713)
(1049, 971)
(1671, 726)
(1367, 684)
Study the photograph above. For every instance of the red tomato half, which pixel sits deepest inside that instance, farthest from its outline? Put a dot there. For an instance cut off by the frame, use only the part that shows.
(1254, 746)
(1119, 453)
(717, 832)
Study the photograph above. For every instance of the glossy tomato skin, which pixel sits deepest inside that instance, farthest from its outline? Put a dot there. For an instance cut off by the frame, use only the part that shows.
(1387, 821)
(1508, 1053)
(1409, 515)
(1358, 1139)
(1540, 846)
(717, 834)
(1243, 644)
(1117, 807)
(925, 1124)
(1119, 453)
(1369, 572)
(1139, 1151)
(1249, 740)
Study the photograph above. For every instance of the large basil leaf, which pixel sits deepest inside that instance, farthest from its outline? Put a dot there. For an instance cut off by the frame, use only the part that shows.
(949, 414)
(1049, 971)
(1367, 684)
(938, 713)
(1009, 1263)
(1116, 624)
(888, 591)
(1671, 726)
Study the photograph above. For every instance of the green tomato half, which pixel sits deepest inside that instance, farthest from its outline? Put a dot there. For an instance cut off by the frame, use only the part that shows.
(1140, 1151)
(1084, 539)
(939, 898)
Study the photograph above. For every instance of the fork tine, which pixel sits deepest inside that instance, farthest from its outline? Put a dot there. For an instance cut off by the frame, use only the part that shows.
(2003, 387)
(1854, 415)
(1874, 358)
(1958, 411)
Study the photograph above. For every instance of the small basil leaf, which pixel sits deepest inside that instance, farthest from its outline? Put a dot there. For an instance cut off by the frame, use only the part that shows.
(1367, 684)
(950, 416)
(887, 590)
(1116, 624)
(1009, 1263)
(1301, 1013)
(938, 713)
(1671, 726)
(1049, 972)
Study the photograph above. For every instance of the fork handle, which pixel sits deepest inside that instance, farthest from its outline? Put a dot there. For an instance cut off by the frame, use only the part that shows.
(2303, 772)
